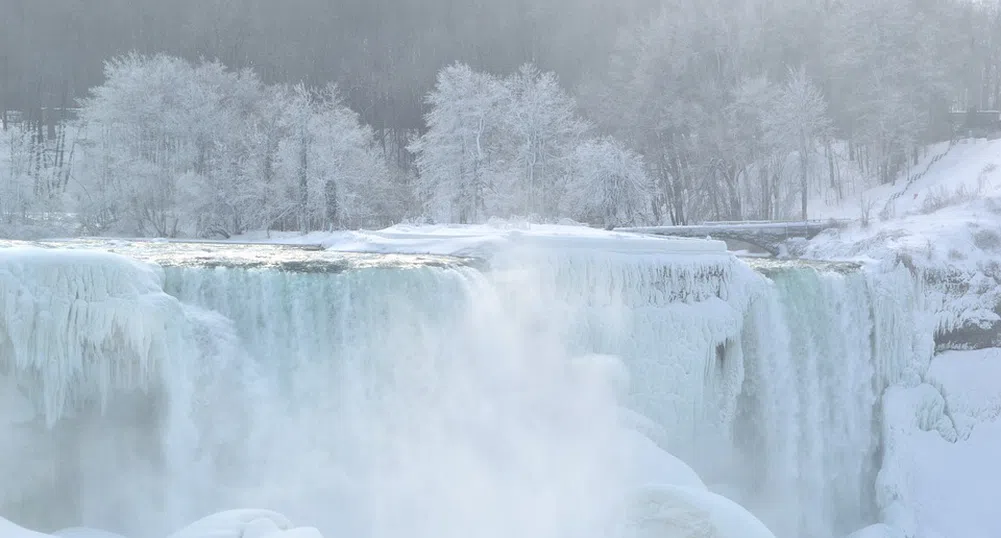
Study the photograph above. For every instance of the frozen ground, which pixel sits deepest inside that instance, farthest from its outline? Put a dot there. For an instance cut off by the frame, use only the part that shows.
(480, 240)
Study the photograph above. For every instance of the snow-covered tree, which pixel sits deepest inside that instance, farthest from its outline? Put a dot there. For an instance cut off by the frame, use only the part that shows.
(798, 123)
(543, 128)
(182, 149)
(339, 178)
(461, 176)
(609, 186)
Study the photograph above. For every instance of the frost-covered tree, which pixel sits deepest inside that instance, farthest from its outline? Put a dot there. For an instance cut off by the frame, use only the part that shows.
(175, 148)
(543, 128)
(461, 175)
(215, 197)
(497, 147)
(145, 129)
(339, 177)
(609, 186)
(798, 123)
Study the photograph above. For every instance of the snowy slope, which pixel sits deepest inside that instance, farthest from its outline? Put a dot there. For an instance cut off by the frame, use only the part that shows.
(945, 223)
(950, 184)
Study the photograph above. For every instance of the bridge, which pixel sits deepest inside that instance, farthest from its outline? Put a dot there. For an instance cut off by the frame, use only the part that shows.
(765, 234)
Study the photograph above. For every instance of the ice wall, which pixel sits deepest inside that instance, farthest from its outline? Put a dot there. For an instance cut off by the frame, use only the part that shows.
(78, 323)
(98, 373)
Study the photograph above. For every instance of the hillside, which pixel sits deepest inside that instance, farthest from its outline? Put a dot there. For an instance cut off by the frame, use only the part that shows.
(943, 220)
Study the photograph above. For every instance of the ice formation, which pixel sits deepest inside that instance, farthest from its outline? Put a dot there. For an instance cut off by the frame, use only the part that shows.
(76, 324)
(528, 398)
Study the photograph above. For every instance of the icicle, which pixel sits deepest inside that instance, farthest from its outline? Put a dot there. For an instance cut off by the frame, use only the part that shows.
(75, 325)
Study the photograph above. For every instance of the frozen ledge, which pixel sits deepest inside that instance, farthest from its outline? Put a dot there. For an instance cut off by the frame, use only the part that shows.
(296, 258)
(397, 246)
(485, 241)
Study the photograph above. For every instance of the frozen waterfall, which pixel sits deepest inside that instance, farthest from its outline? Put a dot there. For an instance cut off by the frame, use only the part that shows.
(391, 396)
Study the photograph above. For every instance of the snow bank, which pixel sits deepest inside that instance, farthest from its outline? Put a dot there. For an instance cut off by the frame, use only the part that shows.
(483, 240)
(85, 532)
(9, 529)
(676, 511)
(968, 380)
(651, 465)
(879, 530)
(244, 523)
(940, 464)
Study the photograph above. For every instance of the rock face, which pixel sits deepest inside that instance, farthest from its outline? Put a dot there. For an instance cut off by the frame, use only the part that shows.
(966, 303)
(973, 336)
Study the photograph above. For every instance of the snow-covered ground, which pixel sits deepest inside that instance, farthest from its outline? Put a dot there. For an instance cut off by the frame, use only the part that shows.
(480, 240)
(945, 214)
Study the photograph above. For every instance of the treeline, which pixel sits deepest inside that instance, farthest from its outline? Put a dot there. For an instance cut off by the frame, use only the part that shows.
(668, 111)
(169, 148)
(383, 54)
(744, 109)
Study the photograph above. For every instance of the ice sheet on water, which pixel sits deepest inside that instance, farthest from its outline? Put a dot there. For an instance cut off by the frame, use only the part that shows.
(487, 239)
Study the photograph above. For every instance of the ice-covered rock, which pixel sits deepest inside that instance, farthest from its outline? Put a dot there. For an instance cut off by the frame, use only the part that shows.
(652, 465)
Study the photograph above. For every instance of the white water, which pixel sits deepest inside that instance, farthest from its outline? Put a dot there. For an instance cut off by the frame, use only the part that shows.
(822, 347)
(440, 402)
